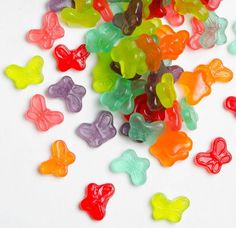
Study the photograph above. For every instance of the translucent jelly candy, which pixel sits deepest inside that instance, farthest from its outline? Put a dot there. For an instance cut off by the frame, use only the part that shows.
(230, 104)
(103, 38)
(194, 7)
(71, 59)
(131, 18)
(122, 96)
(214, 31)
(213, 159)
(96, 199)
(130, 57)
(50, 31)
(59, 161)
(28, 75)
(42, 117)
(98, 132)
(146, 10)
(71, 93)
(144, 131)
(176, 71)
(171, 146)
(211, 4)
(189, 115)
(104, 9)
(124, 129)
(170, 210)
(232, 45)
(151, 50)
(172, 44)
(156, 9)
(165, 90)
(104, 78)
(83, 15)
(58, 5)
(133, 165)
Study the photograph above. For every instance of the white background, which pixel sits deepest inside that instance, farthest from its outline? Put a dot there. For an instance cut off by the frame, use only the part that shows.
(30, 200)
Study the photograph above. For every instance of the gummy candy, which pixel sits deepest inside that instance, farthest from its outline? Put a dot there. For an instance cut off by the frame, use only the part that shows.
(144, 131)
(165, 90)
(28, 75)
(156, 9)
(50, 31)
(122, 96)
(96, 199)
(133, 165)
(131, 18)
(124, 129)
(42, 117)
(170, 210)
(146, 10)
(71, 93)
(173, 17)
(213, 159)
(211, 4)
(176, 71)
(98, 132)
(67, 59)
(58, 5)
(104, 79)
(230, 104)
(103, 8)
(59, 161)
(189, 115)
(171, 146)
(232, 45)
(103, 38)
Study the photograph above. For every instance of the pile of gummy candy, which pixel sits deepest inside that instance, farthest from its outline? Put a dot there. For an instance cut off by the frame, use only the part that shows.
(135, 77)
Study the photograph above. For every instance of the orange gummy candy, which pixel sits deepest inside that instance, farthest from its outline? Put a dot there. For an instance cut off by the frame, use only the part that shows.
(171, 146)
(151, 50)
(61, 157)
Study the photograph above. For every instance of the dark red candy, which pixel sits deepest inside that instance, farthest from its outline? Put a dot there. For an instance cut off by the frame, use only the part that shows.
(156, 9)
(230, 104)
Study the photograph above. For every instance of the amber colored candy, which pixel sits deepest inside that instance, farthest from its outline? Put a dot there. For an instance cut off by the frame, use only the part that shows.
(171, 146)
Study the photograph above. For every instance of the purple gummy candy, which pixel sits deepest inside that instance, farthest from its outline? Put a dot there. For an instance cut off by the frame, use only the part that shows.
(67, 90)
(58, 5)
(124, 129)
(98, 132)
(176, 71)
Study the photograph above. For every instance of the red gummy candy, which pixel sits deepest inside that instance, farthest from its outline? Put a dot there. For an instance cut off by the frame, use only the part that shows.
(156, 9)
(104, 9)
(230, 104)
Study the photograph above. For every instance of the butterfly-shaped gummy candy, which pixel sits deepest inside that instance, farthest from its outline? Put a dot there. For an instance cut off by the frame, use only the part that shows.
(131, 58)
(103, 38)
(71, 59)
(171, 146)
(194, 7)
(29, 75)
(96, 200)
(59, 161)
(104, 9)
(214, 31)
(173, 17)
(58, 5)
(230, 104)
(211, 5)
(144, 131)
(157, 9)
(131, 18)
(133, 165)
(104, 78)
(189, 115)
(71, 93)
(42, 117)
(232, 45)
(165, 209)
(213, 159)
(98, 132)
(50, 31)
(83, 15)
(165, 90)
(121, 98)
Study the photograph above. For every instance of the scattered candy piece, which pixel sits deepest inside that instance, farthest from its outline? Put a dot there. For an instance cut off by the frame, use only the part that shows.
(71, 93)
(28, 75)
(60, 159)
(100, 131)
(211, 4)
(104, 9)
(230, 104)
(58, 5)
(213, 159)
(232, 45)
(42, 117)
(174, 18)
(171, 210)
(133, 165)
(96, 199)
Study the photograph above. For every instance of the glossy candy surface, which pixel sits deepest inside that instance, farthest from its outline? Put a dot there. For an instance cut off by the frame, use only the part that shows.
(173, 17)
(59, 161)
(41, 116)
(31, 74)
(171, 210)
(104, 9)
(215, 157)
(133, 165)
(50, 31)
(58, 5)
(156, 9)
(211, 4)
(71, 93)
(98, 132)
(232, 45)
(96, 200)
(71, 59)
(230, 104)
